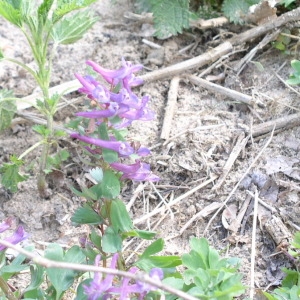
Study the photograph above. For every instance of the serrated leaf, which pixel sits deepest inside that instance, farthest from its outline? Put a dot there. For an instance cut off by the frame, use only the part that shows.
(7, 109)
(43, 10)
(70, 29)
(120, 219)
(86, 215)
(170, 16)
(66, 6)
(111, 241)
(234, 10)
(62, 279)
(10, 174)
(10, 13)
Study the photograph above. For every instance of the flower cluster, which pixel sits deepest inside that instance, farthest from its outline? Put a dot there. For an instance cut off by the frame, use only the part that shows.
(118, 109)
(18, 236)
(104, 289)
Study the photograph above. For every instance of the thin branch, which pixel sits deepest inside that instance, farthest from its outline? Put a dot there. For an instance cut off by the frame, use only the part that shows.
(47, 263)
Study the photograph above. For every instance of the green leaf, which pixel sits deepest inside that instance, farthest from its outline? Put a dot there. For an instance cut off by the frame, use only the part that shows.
(86, 193)
(86, 215)
(154, 248)
(1, 54)
(66, 6)
(7, 108)
(95, 239)
(62, 279)
(287, 2)
(10, 13)
(110, 185)
(120, 219)
(111, 241)
(234, 10)
(150, 262)
(293, 80)
(37, 278)
(42, 130)
(146, 235)
(44, 9)
(296, 66)
(70, 29)
(10, 174)
(170, 16)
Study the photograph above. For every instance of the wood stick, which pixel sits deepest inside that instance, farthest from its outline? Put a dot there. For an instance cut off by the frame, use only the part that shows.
(239, 146)
(286, 122)
(220, 89)
(193, 63)
(170, 108)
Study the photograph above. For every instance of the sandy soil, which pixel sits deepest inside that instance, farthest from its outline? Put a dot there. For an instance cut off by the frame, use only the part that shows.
(209, 124)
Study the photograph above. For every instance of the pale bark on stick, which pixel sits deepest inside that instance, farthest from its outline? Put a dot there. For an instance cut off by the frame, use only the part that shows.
(193, 63)
(170, 108)
(222, 90)
(286, 122)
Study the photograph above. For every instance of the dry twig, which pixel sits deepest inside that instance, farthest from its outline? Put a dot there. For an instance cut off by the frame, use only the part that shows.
(47, 263)
(170, 108)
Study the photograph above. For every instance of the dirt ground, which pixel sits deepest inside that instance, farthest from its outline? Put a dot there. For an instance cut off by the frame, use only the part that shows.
(205, 129)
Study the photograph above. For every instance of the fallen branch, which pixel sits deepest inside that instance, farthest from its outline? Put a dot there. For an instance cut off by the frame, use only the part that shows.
(170, 108)
(47, 263)
(222, 90)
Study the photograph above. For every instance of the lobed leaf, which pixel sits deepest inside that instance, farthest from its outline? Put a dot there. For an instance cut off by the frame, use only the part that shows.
(66, 6)
(70, 29)
(10, 11)
(7, 108)
(170, 16)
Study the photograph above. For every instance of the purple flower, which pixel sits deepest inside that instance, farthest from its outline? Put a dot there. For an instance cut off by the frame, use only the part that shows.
(93, 89)
(105, 113)
(124, 75)
(6, 224)
(138, 171)
(123, 148)
(99, 287)
(139, 287)
(18, 236)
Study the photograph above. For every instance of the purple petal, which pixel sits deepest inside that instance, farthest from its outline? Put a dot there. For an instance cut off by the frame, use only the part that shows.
(95, 114)
(18, 236)
(122, 148)
(6, 224)
(143, 151)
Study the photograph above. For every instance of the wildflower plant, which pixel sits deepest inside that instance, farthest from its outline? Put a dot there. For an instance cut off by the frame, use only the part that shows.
(45, 26)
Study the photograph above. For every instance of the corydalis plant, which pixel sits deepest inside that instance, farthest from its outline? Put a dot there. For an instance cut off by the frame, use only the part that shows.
(112, 111)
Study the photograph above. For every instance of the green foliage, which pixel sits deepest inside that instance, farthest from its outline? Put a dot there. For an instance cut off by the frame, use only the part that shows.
(86, 215)
(287, 3)
(295, 77)
(208, 276)
(290, 286)
(55, 161)
(62, 279)
(71, 29)
(236, 9)
(7, 108)
(148, 260)
(11, 12)
(111, 241)
(10, 176)
(119, 217)
(170, 16)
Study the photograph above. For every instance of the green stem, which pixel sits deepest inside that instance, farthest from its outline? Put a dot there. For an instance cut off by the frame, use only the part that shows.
(30, 149)
(6, 290)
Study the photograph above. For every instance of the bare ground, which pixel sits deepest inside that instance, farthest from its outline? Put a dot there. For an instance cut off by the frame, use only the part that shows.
(205, 129)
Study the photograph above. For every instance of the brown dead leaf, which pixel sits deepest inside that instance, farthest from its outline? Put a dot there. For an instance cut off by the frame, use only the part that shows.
(229, 215)
(262, 13)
